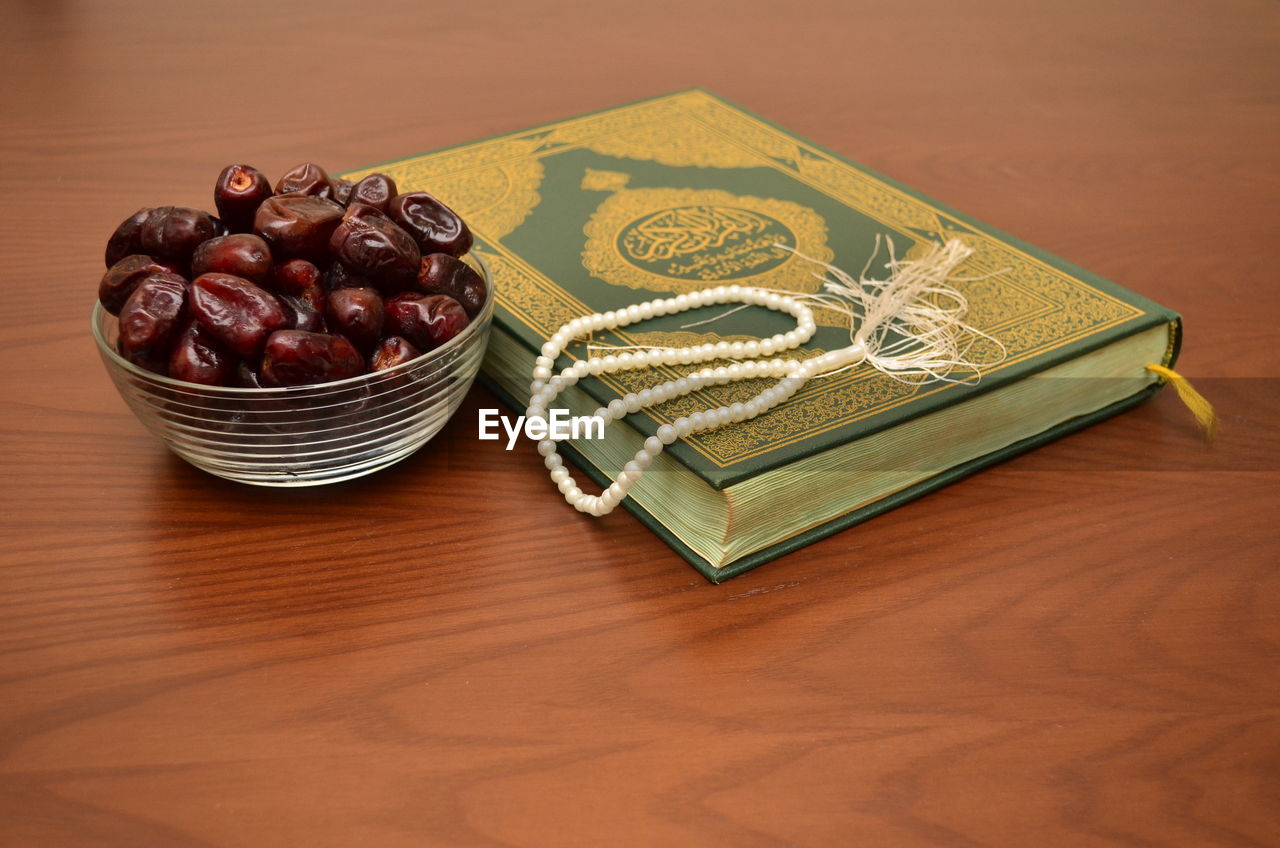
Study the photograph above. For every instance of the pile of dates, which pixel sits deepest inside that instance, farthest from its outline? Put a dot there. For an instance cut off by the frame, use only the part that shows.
(314, 280)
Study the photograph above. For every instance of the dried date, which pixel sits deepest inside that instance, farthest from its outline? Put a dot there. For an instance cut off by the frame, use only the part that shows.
(236, 313)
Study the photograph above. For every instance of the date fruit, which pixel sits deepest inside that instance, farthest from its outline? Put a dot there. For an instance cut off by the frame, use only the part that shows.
(307, 178)
(339, 276)
(307, 308)
(238, 193)
(127, 239)
(151, 318)
(124, 276)
(236, 313)
(299, 358)
(298, 226)
(242, 254)
(357, 314)
(295, 276)
(376, 190)
(370, 244)
(441, 273)
(390, 352)
(312, 279)
(173, 233)
(341, 189)
(197, 358)
(425, 320)
(435, 227)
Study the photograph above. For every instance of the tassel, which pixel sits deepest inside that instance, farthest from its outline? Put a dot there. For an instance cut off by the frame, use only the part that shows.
(910, 325)
(1203, 411)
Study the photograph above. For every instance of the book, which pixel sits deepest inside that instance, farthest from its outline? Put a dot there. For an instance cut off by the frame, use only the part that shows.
(686, 190)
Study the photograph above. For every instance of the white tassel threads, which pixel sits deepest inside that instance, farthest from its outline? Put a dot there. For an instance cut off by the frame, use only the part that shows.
(908, 326)
(916, 304)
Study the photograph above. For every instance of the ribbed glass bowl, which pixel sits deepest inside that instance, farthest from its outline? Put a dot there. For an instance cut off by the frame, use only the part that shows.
(304, 435)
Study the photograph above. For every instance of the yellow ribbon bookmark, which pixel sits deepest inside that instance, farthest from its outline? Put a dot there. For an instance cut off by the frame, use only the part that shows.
(1203, 411)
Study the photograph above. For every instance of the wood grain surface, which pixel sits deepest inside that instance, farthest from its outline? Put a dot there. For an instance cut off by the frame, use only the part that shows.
(1078, 647)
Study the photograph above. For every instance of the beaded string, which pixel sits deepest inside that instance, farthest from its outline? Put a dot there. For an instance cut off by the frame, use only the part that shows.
(791, 374)
(929, 346)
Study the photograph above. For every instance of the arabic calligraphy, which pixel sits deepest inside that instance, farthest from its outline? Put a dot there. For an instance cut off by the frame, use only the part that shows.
(678, 232)
(705, 242)
(665, 239)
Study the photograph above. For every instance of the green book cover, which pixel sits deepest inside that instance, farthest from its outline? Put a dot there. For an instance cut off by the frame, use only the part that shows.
(683, 191)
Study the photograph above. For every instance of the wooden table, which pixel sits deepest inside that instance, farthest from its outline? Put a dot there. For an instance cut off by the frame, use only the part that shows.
(1078, 647)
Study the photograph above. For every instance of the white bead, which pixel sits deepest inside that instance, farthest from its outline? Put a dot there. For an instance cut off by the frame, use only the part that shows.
(550, 351)
(682, 386)
(572, 494)
(610, 363)
(625, 360)
(552, 461)
(541, 373)
(683, 427)
(646, 397)
(737, 350)
(646, 310)
(616, 492)
(565, 483)
(633, 468)
(737, 412)
(653, 445)
(595, 365)
(617, 408)
(558, 474)
(721, 349)
(667, 434)
(697, 421)
(791, 337)
(546, 447)
(751, 349)
(537, 386)
(544, 361)
(643, 458)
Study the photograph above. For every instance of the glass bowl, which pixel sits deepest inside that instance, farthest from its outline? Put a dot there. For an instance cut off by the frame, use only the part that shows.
(304, 435)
